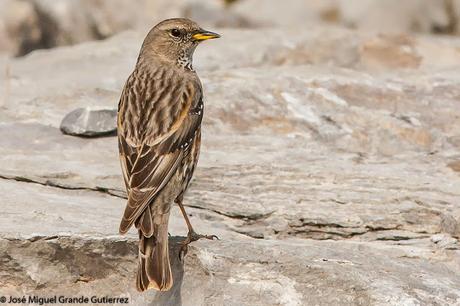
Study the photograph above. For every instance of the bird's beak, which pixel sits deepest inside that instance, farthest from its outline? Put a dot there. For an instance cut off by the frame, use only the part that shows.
(204, 35)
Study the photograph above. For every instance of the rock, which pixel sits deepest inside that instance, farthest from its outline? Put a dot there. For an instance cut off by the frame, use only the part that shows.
(211, 14)
(62, 209)
(90, 122)
(445, 241)
(41, 24)
(396, 16)
(321, 154)
(390, 16)
(450, 225)
(454, 165)
(291, 13)
(390, 52)
(37, 24)
(77, 21)
(19, 27)
(260, 272)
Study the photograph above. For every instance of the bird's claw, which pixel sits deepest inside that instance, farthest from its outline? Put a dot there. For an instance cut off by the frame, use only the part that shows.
(192, 236)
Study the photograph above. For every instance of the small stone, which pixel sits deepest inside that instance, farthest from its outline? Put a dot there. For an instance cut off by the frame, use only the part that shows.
(90, 122)
(449, 225)
(454, 165)
(438, 237)
(445, 241)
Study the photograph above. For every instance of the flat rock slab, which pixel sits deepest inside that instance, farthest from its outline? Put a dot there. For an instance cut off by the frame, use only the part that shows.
(260, 272)
(37, 209)
(269, 193)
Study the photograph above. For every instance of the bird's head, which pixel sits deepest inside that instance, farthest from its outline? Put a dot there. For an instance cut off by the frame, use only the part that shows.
(174, 41)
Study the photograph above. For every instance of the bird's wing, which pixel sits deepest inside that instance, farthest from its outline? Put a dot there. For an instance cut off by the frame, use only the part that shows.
(148, 165)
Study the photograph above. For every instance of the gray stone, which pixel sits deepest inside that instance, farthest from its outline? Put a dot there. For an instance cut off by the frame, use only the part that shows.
(445, 241)
(329, 168)
(46, 209)
(90, 122)
(35, 24)
(261, 272)
(370, 15)
(19, 27)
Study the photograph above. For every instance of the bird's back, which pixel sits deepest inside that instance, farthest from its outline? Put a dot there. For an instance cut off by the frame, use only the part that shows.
(153, 99)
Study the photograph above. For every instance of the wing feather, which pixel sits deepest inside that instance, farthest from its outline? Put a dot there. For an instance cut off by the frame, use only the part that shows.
(140, 196)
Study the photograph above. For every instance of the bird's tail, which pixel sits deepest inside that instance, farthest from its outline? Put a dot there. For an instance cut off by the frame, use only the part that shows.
(154, 271)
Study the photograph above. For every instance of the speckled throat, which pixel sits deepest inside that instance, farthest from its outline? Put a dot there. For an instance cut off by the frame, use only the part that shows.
(185, 60)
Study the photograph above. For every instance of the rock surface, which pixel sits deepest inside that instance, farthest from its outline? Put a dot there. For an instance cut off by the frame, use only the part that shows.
(388, 16)
(329, 168)
(26, 25)
(90, 122)
(266, 272)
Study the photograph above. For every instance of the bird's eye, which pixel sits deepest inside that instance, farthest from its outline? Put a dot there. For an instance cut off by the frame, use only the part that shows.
(175, 32)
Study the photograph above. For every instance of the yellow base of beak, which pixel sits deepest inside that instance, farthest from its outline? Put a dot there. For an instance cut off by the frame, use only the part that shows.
(205, 36)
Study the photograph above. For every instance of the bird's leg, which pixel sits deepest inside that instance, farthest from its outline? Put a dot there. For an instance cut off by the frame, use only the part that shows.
(192, 235)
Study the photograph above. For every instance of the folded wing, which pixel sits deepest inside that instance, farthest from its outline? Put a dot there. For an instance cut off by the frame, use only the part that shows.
(149, 161)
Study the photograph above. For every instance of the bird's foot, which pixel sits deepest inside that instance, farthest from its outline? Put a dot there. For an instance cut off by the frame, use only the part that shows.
(192, 236)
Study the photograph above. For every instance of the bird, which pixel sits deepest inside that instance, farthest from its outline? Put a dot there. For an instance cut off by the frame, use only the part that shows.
(159, 136)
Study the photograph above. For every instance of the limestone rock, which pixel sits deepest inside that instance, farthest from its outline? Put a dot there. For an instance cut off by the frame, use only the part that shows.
(398, 16)
(77, 21)
(261, 272)
(371, 15)
(36, 24)
(329, 169)
(19, 27)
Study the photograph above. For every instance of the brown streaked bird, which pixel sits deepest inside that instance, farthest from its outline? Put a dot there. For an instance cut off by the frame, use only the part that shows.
(159, 135)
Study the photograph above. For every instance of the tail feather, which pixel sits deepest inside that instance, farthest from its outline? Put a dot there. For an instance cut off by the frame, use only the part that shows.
(154, 271)
(142, 282)
(145, 224)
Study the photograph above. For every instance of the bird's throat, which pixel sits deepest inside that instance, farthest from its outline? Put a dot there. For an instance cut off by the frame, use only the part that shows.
(185, 60)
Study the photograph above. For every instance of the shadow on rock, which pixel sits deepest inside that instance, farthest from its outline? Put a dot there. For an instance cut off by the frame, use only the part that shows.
(173, 296)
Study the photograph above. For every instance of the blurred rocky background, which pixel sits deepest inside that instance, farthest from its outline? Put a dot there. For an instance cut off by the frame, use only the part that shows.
(26, 25)
(330, 165)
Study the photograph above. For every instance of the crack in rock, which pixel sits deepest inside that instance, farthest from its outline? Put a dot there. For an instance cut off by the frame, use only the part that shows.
(121, 194)
(48, 183)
